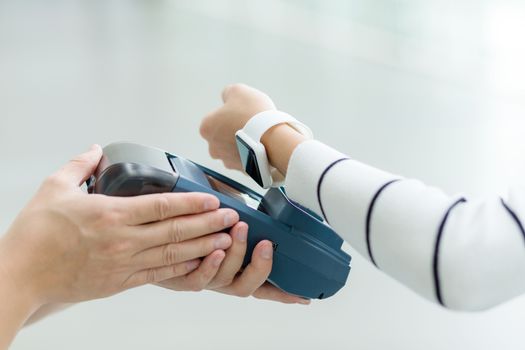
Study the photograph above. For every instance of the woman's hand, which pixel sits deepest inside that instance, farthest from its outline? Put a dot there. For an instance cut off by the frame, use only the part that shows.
(231, 279)
(241, 102)
(68, 246)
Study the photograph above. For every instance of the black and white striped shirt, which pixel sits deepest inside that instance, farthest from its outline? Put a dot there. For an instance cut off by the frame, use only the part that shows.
(460, 253)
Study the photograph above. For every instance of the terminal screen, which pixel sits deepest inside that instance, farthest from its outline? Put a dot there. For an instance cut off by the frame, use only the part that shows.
(231, 191)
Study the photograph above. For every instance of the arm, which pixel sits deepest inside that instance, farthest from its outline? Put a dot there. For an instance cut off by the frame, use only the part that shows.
(17, 304)
(67, 246)
(466, 255)
(447, 249)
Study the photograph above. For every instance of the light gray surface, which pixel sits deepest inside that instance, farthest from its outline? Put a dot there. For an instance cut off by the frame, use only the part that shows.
(429, 89)
(128, 152)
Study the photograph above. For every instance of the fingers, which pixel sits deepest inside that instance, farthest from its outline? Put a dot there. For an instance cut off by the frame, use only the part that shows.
(207, 125)
(171, 254)
(270, 292)
(252, 281)
(234, 257)
(82, 166)
(200, 278)
(248, 92)
(155, 207)
(255, 274)
(183, 228)
(226, 92)
(158, 274)
(236, 89)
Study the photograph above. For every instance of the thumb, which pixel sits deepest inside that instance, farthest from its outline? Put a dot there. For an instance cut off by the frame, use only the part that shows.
(82, 166)
(226, 92)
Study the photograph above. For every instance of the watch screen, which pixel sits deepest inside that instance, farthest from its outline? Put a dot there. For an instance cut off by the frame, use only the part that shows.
(230, 191)
(249, 161)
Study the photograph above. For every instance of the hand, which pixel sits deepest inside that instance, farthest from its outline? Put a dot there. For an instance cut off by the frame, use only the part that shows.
(228, 279)
(241, 102)
(68, 246)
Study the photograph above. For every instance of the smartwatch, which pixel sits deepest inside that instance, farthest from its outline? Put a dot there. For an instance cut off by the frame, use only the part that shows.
(253, 153)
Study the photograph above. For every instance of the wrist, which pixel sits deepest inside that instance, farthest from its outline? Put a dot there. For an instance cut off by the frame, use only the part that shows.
(16, 279)
(280, 142)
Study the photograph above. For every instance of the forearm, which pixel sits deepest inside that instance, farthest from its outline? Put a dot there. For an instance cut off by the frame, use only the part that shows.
(434, 243)
(17, 303)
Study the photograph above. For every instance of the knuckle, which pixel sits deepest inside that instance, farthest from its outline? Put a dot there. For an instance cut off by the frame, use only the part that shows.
(102, 218)
(176, 270)
(162, 207)
(176, 231)
(223, 282)
(202, 280)
(81, 159)
(238, 253)
(108, 217)
(121, 246)
(258, 296)
(197, 286)
(170, 255)
(151, 276)
(213, 152)
(205, 129)
(242, 293)
(236, 88)
(120, 214)
(208, 275)
(231, 163)
(116, 247)
(53, 180)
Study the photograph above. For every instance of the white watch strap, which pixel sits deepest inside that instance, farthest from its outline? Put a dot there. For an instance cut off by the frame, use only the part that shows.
(263, 121)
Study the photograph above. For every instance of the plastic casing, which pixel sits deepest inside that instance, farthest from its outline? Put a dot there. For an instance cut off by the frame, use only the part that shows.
(308, 260)
(254, 159)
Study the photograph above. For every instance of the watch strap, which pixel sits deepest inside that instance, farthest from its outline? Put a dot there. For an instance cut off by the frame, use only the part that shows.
(263, 121)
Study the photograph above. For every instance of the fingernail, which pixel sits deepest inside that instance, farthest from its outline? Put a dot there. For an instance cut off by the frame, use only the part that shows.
(217, 261)
(242, 234)
(267, 252)
(304, 301)
(230, 219)
(222, 242)
(192, 265)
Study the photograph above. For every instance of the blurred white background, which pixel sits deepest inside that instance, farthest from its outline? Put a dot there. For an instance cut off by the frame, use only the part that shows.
(431, 89)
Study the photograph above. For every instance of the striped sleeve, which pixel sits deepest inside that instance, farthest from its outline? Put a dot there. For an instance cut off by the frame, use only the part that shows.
(462, 254)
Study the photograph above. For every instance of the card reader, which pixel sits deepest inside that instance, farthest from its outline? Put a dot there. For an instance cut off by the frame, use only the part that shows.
(308, 260)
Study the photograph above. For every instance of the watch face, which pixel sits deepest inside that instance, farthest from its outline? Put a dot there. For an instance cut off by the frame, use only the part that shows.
(249, 160)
